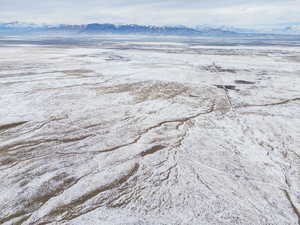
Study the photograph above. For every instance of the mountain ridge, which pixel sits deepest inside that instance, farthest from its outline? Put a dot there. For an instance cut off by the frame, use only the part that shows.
(108, 28)
(21, 28)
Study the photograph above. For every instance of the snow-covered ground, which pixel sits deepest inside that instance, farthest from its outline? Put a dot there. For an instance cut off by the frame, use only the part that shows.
(149, 133)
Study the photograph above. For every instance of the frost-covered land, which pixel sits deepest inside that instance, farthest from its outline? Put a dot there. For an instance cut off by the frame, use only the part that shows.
(119, 131)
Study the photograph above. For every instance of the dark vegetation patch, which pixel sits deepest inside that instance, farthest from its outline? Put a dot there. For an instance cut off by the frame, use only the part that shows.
(243, 82)
(215, 68)
(227, 87)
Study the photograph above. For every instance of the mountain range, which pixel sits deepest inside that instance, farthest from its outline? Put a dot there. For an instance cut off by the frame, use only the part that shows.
(19, 28)
(15, 28)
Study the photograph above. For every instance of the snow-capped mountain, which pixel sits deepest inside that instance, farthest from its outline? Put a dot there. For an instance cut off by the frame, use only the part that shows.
(30, 28)
(221, 29)
(282, 29)
(139, 29)
(19, 28)
(96, 28)
(292, 29)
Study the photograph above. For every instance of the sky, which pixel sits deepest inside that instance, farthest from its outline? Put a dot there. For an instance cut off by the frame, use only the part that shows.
(153, 12)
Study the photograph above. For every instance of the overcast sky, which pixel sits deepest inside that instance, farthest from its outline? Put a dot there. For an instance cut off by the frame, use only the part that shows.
(154, 12)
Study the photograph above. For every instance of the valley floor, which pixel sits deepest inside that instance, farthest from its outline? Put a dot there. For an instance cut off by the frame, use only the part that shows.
(149, 133)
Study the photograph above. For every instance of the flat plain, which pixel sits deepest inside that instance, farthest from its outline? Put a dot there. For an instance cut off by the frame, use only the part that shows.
(149, 131)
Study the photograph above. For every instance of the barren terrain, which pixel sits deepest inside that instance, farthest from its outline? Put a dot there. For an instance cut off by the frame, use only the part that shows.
(121, 132)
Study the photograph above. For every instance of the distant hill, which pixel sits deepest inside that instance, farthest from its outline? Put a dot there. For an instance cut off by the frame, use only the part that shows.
(139, 29)
(18, 28)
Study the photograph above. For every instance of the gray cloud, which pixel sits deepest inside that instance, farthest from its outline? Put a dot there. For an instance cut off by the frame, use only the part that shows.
(156, 12)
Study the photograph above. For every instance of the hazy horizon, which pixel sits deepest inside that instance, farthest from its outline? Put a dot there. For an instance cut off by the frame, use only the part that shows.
(239, 13)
